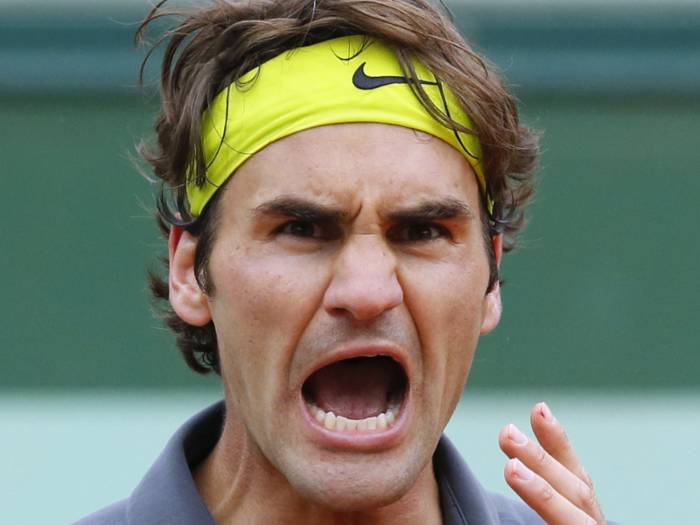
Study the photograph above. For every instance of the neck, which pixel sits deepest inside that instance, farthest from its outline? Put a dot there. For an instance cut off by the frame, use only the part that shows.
(238, 484)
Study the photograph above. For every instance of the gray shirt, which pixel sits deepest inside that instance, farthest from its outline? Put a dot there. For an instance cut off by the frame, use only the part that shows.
(167, 493)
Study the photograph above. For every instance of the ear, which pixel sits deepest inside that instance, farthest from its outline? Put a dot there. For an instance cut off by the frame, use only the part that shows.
(492, 301)
(187, 298)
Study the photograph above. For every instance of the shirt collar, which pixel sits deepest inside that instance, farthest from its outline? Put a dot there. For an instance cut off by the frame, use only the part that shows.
(167, 493)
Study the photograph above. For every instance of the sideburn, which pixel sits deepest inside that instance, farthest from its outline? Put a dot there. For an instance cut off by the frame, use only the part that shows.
(204, 229)
(488, 233)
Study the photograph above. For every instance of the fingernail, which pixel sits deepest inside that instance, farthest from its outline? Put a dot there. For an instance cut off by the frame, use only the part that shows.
(516, 436)
(547, 413)
(521, 471)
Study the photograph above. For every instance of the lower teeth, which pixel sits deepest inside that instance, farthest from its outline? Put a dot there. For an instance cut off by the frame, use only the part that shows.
(333, 422)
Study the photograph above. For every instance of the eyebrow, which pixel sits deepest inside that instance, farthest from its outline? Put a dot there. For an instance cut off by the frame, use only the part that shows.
(438, 210)
(299, 208)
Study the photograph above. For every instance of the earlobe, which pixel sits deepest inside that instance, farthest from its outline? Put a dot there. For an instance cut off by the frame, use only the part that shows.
(493, 306)
(186, 297)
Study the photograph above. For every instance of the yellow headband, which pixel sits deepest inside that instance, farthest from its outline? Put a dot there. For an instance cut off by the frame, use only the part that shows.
(349, 79)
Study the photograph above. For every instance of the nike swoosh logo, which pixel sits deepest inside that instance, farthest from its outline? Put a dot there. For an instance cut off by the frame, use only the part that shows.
(363, 81)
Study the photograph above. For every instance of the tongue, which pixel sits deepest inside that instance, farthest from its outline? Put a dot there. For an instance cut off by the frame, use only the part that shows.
(354, 388)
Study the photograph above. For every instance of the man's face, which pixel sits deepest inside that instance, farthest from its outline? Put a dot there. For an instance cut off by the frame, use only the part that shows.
(349, 275)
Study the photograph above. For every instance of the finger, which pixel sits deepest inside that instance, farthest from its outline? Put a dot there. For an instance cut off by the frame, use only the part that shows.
(517, 445)
(554, 508)
(552, 436)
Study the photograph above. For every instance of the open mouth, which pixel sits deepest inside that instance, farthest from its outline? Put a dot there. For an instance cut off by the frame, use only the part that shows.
(357, 394)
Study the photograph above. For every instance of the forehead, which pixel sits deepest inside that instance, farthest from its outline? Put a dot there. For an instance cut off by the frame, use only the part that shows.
(356, 164)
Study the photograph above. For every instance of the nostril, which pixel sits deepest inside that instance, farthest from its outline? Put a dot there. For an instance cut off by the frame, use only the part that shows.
(364, 281)
(363, 298)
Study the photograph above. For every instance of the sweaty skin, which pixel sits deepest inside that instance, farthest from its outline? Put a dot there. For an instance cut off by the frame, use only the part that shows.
(343, 241)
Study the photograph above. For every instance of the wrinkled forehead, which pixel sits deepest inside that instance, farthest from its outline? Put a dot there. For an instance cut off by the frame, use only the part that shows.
(354, 165)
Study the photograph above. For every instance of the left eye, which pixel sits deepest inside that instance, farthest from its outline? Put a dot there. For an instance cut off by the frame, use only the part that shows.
(304, 229)
(419, 232)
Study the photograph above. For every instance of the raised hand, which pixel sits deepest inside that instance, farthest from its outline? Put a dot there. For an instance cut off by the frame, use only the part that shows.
(548, 475)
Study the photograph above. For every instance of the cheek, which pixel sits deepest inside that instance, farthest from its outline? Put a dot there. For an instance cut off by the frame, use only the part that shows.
(447, 305)
(447, 298)
(260, 307)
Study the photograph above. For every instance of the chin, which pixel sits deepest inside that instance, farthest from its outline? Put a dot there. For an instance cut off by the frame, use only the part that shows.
(347, 490)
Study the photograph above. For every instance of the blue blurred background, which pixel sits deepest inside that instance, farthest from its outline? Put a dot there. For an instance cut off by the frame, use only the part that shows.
(601, 308)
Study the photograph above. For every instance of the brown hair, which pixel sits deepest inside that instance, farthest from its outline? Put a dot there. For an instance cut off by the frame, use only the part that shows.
(214, 45)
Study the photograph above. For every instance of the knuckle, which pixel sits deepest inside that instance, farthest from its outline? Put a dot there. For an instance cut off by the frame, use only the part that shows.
(586, 477)
(541, 457)
(547, 493)
(566, 443)
(585, 520)
(587, 499)
(588, 502)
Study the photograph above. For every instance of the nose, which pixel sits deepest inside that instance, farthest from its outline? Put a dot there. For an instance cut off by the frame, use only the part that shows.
(364, 282)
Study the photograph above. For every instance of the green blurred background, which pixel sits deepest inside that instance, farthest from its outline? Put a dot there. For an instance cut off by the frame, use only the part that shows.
(602, 293)
(600, 304)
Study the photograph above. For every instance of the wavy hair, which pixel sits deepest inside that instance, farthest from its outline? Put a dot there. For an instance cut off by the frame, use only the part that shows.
(212, 46)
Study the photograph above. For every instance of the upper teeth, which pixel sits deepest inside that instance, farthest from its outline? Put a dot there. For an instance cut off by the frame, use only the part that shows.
(333, 422)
